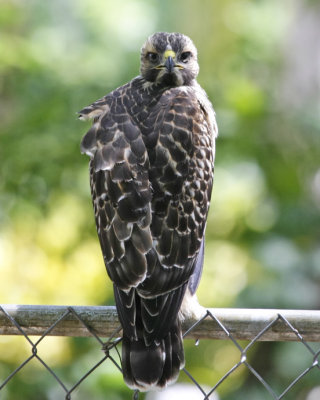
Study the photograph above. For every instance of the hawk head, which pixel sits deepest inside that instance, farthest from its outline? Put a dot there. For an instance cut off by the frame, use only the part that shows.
(169, 59)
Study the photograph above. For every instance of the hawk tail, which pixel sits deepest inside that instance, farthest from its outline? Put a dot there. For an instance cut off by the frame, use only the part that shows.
(154, 366)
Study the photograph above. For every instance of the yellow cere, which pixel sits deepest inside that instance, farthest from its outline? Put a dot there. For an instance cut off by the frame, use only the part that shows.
(169, 53)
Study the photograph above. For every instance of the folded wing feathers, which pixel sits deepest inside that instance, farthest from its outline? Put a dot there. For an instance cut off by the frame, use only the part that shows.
(119, 159)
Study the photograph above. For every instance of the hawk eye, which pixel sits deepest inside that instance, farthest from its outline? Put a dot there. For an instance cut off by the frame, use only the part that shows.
(153, 57)
(185, 56)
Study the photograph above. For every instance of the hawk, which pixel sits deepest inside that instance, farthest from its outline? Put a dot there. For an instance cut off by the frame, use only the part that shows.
(151, 149)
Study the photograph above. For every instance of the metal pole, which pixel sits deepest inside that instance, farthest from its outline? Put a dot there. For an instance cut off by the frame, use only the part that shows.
(242, 324)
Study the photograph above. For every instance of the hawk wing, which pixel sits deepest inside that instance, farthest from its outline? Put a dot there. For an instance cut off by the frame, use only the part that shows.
(121, 191)
(181, 175)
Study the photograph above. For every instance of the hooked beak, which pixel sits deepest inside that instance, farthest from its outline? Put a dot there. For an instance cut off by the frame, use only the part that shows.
(169, 64)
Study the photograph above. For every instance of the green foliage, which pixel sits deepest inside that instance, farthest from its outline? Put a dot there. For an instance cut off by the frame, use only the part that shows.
(263, 230)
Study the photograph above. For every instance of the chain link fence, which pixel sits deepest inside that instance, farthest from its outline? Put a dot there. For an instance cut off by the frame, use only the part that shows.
(233, 325)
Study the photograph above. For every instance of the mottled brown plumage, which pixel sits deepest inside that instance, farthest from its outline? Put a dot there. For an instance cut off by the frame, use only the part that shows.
(151, 168)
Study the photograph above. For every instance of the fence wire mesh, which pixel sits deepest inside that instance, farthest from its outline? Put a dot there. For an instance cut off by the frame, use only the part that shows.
(111, 353)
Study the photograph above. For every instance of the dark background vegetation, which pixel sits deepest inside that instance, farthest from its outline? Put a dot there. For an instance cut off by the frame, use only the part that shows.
(260, 65)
